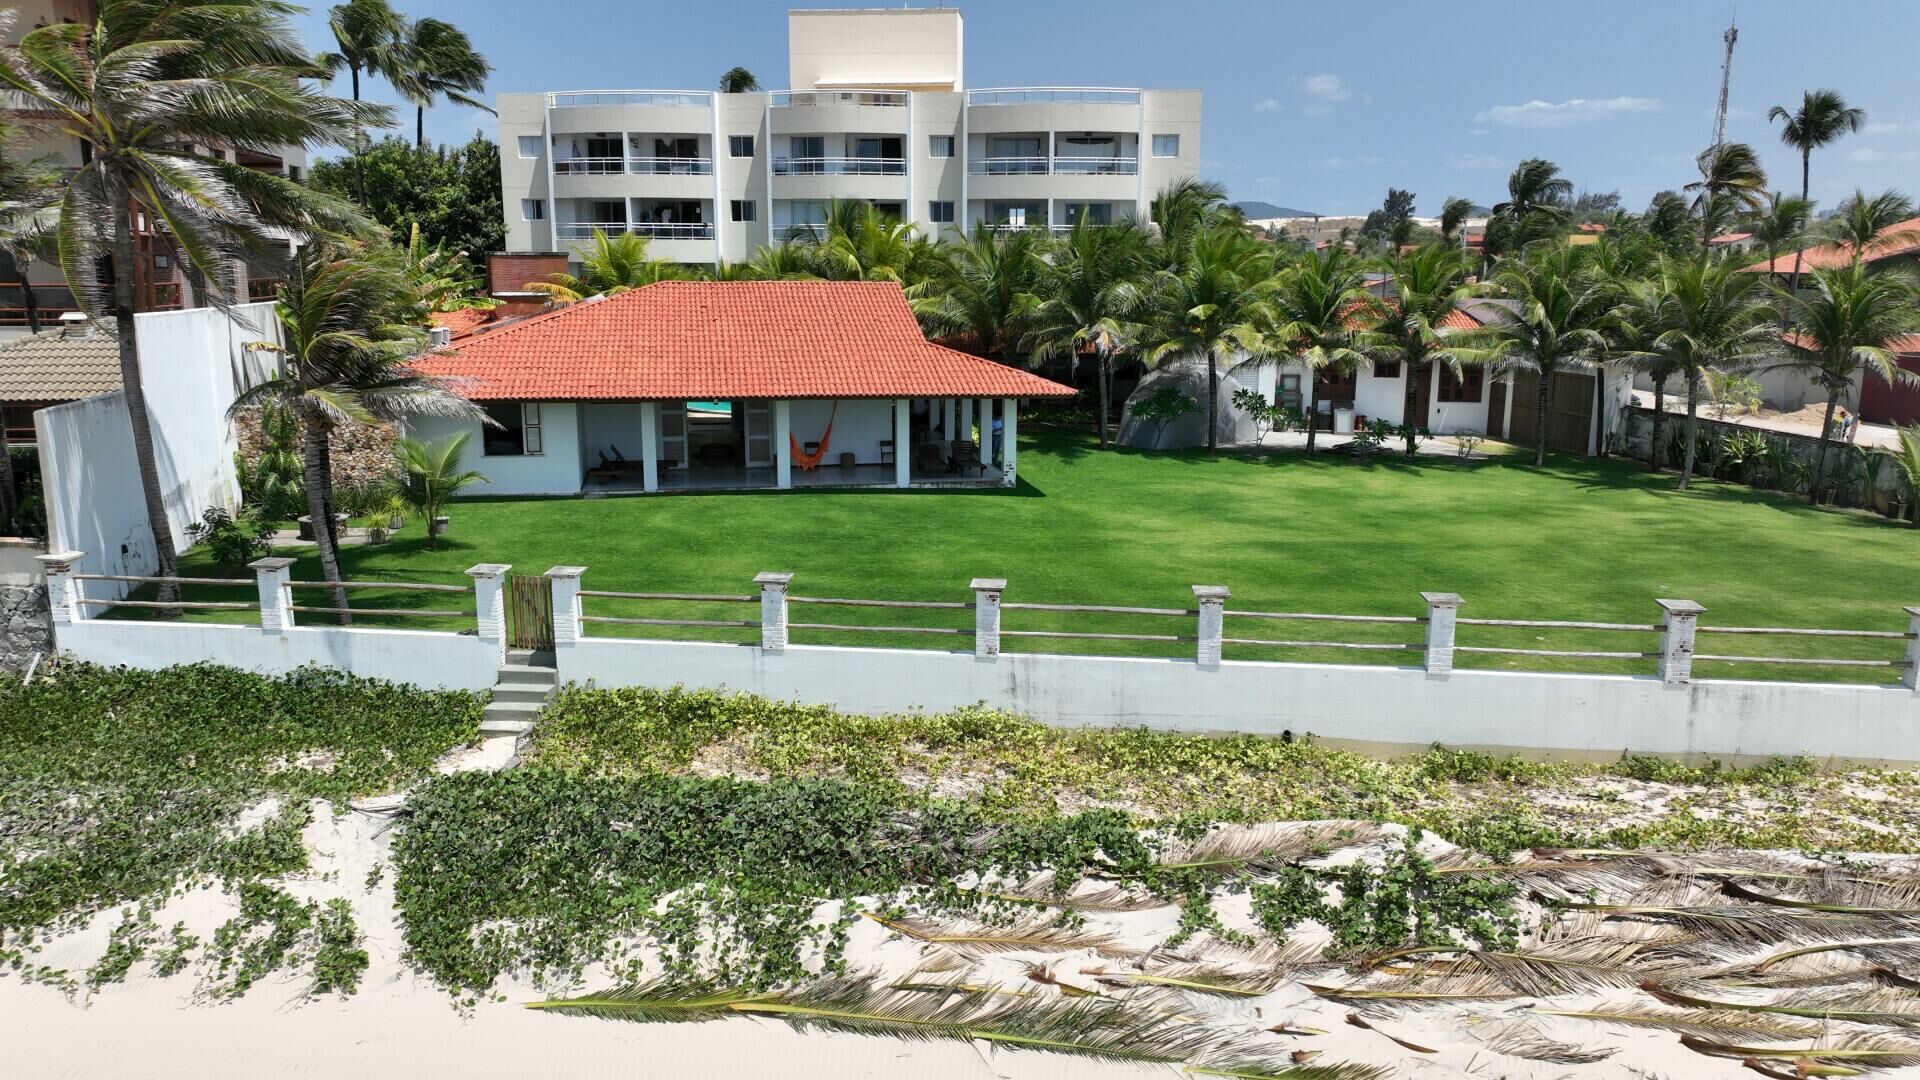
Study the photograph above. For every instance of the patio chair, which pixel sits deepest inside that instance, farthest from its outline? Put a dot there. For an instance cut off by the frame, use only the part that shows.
(966, 455)
(886, 451)
(927, 458)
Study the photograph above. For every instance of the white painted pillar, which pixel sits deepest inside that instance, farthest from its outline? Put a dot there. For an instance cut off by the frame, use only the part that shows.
(1443, 608)
(490, 604)
(902, 443)
(1010, 413)
(949, 421)
(1506, 410)
(276, 593)
(773, 610)
(1678, 621)
(783, 444)
(63, 592)
(564, 582)
(1910, 678)
(986, 432)
(650, 445)
(1212, 600)
(986, 616)
(966, 419)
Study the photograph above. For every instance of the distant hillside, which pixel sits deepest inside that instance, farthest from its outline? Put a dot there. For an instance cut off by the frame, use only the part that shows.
(1256, 210)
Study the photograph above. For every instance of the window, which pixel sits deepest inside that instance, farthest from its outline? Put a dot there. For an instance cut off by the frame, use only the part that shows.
(518, 432)
(1166, 146)
(940, 146)
(940, 213)
(743, 209)
(529, 146)
(1386, 369)
(533, 209)
(1465, 386)
(740, 146)
(293, 173)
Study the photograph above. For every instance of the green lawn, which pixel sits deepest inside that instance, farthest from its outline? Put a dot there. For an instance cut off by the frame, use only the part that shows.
(1579, 540)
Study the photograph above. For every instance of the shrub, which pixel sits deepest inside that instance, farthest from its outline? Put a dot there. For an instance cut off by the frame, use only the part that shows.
(232, 543)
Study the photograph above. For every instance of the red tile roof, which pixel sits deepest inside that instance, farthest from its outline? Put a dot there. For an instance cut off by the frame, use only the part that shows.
(463, 322)
(1829, 256)
(717, 340)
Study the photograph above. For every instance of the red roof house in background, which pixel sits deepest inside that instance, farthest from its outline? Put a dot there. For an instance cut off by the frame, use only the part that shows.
(714, 385)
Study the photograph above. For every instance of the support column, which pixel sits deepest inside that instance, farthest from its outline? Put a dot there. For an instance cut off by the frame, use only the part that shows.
(949, 421)
(650, 445)
(1212, 600)
(966, 420)
(782, 444)
(63, 592)
(773, 610)
(986, 616)
(1910, 678)
(1443, 608)
(1010, 422)
(1678, 620)
(1506, 412)
(987, 455)
(276, 593)
(902, 443)
(564, 583)
(490, 604)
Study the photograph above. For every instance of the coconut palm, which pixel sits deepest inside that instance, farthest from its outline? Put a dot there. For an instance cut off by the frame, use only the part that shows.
(983, 296)
(738, 80)
(1182, 211)
(1865, 220)
(367, 33)
(1561, 307)
(148, 88)
(1453, 214)
(1847, 330)
(430, 476)
(861, 243)
(1781, 223)
(1213, 305)
(1731, 181)
(1822, 118)
(609, 266)
(1316, 311)
(1092, 283)
(1534, 209)
(436, 60)
(1429, 283)
(348, 319)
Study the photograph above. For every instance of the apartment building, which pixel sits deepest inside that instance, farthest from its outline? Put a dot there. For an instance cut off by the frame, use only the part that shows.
(878, 111)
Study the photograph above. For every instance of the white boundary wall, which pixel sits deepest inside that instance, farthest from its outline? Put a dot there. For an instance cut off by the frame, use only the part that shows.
(196, 363)
(433, 659)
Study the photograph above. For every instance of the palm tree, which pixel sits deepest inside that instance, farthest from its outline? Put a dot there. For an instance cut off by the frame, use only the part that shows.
(26, 190)
(431, 475)
(738, 80)
(1782, 222)
(147, 89)
(1701, 317)
(368, 34)
(984, 295)
(1845, 331)
(1315, 310)
(346, 317)
(861, 243)
(1182, 211)
(1556, 327)
(1730, 179)
(1822, 118)
(609, 266)
(1092, 284)
(1214, 305)
(1865, 220)
(436, 60)
(1453, 214)
(1429, 282)
(1534, 208)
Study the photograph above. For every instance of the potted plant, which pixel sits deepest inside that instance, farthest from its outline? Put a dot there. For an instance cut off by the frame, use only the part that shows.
(395, 508)
(431, 477)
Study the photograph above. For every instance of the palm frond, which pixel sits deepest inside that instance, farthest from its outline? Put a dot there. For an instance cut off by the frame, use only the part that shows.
(1707, 1023)
(1200, 978)
(1758, 924)
(1521, 1039)
(1865, 1050)
(1418, 992)
(1874, 1008)
(1344, 1070)
(660, 1001)
(1356, 1020)
(1897, 896)
(1043, 890)
(1269, 846)
(1292, 954)
(1031, 936)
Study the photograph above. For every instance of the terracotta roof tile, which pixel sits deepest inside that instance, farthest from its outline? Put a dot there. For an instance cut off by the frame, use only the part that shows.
(717, 340)
(51, 367)
(463, 322)
(1829, 256)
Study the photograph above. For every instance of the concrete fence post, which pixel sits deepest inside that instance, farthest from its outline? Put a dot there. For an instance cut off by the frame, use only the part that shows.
(1678, 621)
(1213, 621)
(63, 592)
(276, 593)
(490, 604)
(564, 581)
(1443, 611)
(773, 609)
(986, 615)
(1910, 676)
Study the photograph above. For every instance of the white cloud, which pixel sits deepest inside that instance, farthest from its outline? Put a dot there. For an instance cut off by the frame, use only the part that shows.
(1883, 127)
(1476, 161)
(1348, 162)
(1268, 105)
(1323, 92)
(1866, 155)
(1555, 114)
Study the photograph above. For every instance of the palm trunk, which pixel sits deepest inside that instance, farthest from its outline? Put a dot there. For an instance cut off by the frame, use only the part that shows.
(27, 297)
(1406, 410)
(9, 506)
(1540, 421)
(1693, 433)
(1820, 455)
(313, 453)
(1213, 401)
(1103, 374)
(1659, 419)
(420, 127)
(359, 146)
(166, 561)
(1793, 282)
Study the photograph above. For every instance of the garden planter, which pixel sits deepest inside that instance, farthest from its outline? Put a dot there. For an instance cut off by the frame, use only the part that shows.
(395, 522)
(376, 535)
(438, 527)
(305, 522)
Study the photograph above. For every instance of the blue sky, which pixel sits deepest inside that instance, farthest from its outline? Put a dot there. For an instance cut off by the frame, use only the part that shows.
(1319, 105)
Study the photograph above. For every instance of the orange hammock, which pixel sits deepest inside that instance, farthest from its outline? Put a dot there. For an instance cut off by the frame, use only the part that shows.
(809, 462)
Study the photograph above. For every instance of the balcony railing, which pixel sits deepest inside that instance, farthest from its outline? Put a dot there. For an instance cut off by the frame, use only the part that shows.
(1060, 166)
(658, 230)
(839, 166)
(1009, 227)
(1008, 166)
(670, 166)
(783, 99)
(587, 99)
(590, 166)
(1031, 95)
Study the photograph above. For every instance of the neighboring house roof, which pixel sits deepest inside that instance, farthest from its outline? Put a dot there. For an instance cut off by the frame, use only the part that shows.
(463, 322)
(52, 367)
(1591, 227)
(704, 340)
(1830, 256)
(1731, 238)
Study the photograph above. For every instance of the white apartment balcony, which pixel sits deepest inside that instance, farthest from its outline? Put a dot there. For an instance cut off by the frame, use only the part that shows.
(652, 230)
(839, 166)
(601, 99)
(1053, 108)
(670, 166)
(1058, 166)
(678, 112)
(800, 111)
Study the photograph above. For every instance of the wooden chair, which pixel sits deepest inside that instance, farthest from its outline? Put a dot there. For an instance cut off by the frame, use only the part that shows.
(966, 455)
(927, 458)
(886, 451)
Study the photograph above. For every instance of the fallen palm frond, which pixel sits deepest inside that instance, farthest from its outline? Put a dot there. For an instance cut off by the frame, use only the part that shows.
(1886, 950)
(1200, 978)
(1423, 992)
(1814, 971)
(1707, 1023)
(1573, 965)
(1757, 924)
(1338, 1071)
(1292, 954)
(1802, 1070)
(1866, 1050)
(1043, 890)
(1871, 893)
(1518, 1038)
(1294, 1029)
(1088, 1028)
(1363, 1023)
(1036, 936)
(1858, 1009)
(1556, 880)
(1272, 846)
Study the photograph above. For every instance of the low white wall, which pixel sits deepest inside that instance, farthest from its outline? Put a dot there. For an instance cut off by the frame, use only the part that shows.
(553, 471)
(437, 660)
(1397, 708)
(858, 426)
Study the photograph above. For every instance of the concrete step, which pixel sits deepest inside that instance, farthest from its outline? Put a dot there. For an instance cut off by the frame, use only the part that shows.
(529, 658)
(527, 676)
(491, 728)
(522, 692)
